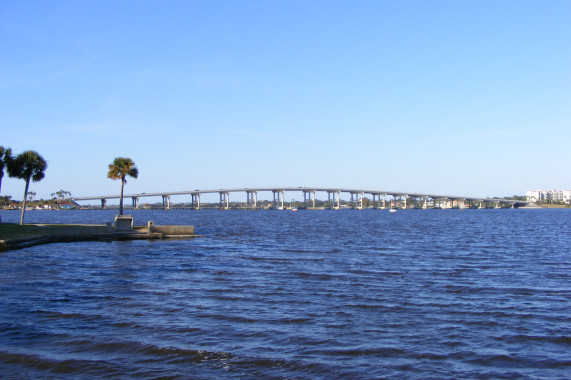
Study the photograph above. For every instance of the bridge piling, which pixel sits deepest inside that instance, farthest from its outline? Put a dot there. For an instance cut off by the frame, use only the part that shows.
(224, 200)
(252, 199)
(166, 202)
(334, 198)
(360, 197)
(195, 201)
(309, 195)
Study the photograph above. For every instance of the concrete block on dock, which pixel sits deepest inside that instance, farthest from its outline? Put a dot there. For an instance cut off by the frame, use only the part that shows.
(123, 223)
(171, 229)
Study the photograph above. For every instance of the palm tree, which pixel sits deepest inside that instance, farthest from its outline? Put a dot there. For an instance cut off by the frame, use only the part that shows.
(27, 166)
(5, 156)
(120, 168)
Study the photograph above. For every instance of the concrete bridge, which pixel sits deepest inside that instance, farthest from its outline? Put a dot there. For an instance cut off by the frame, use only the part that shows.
(379, 197)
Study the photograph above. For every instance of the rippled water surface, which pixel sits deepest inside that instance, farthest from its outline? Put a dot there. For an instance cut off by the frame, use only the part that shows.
(309, 294)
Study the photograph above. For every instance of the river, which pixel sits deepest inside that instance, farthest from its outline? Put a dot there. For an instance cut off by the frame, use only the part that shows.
(366, 294)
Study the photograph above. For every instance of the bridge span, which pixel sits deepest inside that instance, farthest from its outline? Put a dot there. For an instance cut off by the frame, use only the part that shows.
(379, 200)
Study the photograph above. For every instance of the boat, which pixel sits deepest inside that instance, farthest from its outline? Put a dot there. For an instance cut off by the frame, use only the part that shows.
(393, 210)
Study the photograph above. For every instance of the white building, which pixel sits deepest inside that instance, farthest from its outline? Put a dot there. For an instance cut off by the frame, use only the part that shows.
(555, 196)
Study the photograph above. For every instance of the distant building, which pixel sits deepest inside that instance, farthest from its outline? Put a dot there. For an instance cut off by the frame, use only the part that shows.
(553, 196)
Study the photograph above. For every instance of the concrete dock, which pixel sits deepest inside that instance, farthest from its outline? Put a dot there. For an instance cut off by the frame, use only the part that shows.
(46, 233)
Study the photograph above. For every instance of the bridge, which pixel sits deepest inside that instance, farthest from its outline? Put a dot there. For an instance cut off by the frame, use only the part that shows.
(379, 198)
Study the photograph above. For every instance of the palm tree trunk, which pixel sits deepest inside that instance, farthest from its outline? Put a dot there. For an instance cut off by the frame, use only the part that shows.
(24, 203)
(121, 197)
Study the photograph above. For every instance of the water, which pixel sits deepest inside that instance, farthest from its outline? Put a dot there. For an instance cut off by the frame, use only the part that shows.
(307, 295)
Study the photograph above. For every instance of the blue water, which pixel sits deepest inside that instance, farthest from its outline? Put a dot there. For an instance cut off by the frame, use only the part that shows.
(368, 294)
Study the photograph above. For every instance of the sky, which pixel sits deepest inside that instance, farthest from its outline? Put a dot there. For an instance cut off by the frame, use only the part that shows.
(441, 97)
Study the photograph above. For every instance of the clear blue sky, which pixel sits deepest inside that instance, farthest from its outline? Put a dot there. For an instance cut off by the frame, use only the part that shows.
(454, 97)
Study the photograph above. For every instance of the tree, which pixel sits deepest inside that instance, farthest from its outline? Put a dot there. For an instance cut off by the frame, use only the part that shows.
(31, 195)
(61, 195)
(27, 166)
(5, 200)
(5, 156)
(120, 168)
